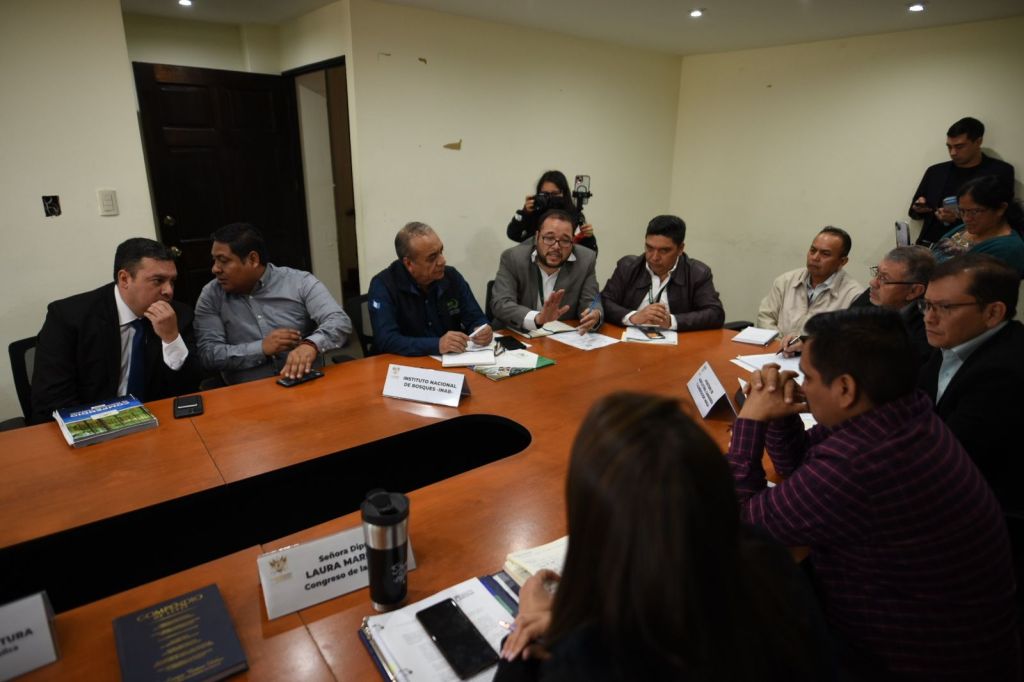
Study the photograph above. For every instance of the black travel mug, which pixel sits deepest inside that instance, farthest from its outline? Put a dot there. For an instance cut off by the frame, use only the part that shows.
(386, 528)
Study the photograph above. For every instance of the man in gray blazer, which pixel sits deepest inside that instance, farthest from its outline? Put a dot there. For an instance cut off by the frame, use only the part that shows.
(547, 278)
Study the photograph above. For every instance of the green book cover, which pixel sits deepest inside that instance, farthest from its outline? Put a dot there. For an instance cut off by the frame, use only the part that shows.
(497, 373)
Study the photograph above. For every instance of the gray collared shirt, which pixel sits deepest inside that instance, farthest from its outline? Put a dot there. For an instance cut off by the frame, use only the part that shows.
(230, 328)
(954, 358)
(813, 291)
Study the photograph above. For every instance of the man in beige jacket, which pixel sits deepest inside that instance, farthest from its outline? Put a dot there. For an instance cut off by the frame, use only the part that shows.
(823, 285)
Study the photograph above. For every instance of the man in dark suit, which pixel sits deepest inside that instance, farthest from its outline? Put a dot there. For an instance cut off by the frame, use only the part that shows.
(975, 381)
(129, 337)
(547, 278)
(963, 142)
(664, 287)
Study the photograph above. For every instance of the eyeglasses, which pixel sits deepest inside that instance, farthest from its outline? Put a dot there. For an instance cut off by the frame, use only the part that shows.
(941, 308)
(882, 279)
(550, 241)
(972, 212)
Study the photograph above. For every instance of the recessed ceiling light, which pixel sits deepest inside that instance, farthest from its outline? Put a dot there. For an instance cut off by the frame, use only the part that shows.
(185, 3)
(916, 7)
(697, 13)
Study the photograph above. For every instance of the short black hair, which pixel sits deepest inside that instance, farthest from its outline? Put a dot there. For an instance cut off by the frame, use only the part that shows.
(842, 234)
(971, 127)
(670, 226)
(559, 213)
(130, 253)
(242, 239)
(991, 279)
(868, 343)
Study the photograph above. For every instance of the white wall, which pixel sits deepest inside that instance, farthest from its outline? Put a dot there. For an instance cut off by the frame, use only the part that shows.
(68, 128)
(774, 143)
(315, 37)
(521, 101)
(311, 93)
(163, 40)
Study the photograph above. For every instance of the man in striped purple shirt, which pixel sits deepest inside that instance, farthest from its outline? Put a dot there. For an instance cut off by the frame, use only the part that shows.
(906, 539)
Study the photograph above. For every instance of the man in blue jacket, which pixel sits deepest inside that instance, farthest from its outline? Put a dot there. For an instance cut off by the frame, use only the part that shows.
(419, 305)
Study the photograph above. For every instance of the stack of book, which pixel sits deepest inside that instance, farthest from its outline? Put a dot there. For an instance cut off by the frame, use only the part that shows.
(90, 424)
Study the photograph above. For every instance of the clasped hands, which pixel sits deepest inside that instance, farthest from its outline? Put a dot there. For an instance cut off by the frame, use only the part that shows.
(654, 315)
(553, 309)
(772, 394)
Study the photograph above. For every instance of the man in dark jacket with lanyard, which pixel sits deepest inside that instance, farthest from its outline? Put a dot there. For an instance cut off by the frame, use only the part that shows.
(664, 287)
(418, 305)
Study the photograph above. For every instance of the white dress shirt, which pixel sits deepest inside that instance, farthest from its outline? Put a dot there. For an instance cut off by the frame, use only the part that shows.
(175, 352)
(657, 294)
(547, 288)
(954, 358)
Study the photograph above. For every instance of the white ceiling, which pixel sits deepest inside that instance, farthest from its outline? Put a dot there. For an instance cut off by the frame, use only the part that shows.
(663, 25)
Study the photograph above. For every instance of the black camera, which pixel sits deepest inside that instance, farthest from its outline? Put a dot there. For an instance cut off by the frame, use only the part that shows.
(545, 201)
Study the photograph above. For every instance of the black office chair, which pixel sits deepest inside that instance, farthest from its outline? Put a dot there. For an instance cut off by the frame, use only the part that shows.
(488, 313)
(357, 308)
(22, 353)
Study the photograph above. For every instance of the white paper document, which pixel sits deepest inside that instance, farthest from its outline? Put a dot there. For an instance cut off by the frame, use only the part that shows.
(756, 336)
(754, 362)
(584, 341)
(637, 334)
(527, 562)
(408, 651)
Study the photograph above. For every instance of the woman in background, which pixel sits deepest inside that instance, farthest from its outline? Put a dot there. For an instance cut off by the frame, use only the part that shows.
(524, 223)
(661, 581)
(989, 213)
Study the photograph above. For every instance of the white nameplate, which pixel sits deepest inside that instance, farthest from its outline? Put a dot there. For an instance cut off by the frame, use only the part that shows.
(424, 385)
(27, 640)
(301, 575)
(706, 389)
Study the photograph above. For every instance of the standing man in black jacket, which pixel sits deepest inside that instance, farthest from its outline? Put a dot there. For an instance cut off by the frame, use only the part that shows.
(125, 337)
(963, 141)
(664, 287)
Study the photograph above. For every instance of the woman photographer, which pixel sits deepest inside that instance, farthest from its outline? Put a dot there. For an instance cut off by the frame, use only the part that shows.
(553, 192)
(661, 581)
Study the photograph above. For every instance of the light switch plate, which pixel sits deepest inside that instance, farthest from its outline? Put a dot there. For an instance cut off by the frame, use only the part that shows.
(108, 202)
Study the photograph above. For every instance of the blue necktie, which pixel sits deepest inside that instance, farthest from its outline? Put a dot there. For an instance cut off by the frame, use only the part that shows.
(137, 361)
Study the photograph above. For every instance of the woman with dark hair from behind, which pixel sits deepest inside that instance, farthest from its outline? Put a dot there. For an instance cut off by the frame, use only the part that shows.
(554, 184)
(992, 221)
(661, 581)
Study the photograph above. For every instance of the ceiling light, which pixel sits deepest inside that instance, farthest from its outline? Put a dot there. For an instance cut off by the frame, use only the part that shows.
(697, 13)
(916, 7)
(185, 3)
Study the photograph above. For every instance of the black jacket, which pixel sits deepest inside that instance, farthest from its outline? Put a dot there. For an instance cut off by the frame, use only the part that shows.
(78, 356)
(981, 406)
(692, 297)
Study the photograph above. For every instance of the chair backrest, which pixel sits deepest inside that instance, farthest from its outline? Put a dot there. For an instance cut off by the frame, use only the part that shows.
(489, 300)
(23, 353)
(357, 308)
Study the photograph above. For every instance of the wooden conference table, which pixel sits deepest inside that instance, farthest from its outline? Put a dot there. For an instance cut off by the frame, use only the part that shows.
(462, 526)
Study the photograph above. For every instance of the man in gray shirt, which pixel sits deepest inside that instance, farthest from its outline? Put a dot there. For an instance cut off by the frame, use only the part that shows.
(256, 320)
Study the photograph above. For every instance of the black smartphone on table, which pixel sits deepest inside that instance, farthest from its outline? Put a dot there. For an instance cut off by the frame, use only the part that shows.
(288, 383)
(459, 641)
(188, 406)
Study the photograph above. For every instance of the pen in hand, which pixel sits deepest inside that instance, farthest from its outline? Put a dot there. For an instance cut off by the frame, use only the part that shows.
(791, 342)
(592, 307)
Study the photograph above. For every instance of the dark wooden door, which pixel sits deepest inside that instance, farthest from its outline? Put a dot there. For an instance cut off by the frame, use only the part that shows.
(222, 147)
